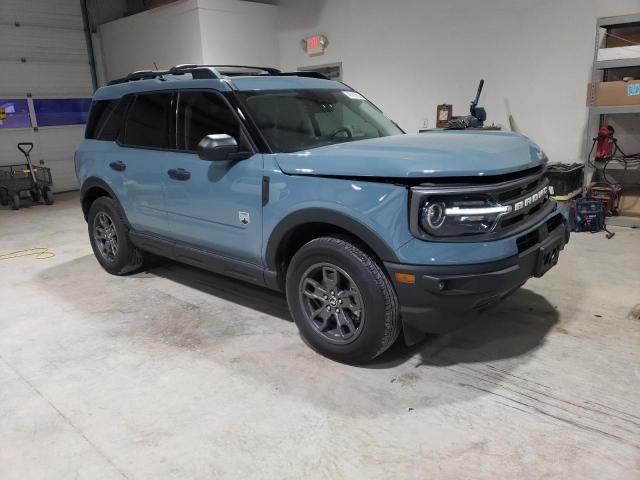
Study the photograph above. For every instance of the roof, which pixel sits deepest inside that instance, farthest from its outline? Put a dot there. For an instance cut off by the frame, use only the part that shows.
(214, 77)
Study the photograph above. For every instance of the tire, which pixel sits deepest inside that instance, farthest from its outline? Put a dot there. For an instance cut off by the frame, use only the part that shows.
(109, 238)
(4, 196)
(314, 271)
(15, 201)
(36, 194)
(47, 193)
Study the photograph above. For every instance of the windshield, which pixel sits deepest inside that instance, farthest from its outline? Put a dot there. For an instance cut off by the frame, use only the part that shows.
(295, 120)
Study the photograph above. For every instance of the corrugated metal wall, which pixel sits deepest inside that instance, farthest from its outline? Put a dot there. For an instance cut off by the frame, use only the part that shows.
(43, 54)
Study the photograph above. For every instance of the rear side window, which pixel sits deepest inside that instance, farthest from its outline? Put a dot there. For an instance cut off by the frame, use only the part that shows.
(147, 123)
(105, 119)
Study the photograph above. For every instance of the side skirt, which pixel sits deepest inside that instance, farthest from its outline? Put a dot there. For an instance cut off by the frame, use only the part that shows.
(205, 259)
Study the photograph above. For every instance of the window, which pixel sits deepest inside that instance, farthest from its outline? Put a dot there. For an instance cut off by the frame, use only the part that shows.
(105, 119)
(16, 112)
(201, 114)
(52, 112)
(147, 123)
(292, 121)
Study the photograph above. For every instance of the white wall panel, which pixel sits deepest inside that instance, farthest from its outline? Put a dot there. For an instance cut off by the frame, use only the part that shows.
(236, 32)
(45, 79)
(50, 38)
(56, 13)
(410, 55)
(192, 31)
(43, 44)
(166, 36)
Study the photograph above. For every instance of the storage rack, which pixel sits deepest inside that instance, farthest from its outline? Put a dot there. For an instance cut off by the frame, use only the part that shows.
(600, 72)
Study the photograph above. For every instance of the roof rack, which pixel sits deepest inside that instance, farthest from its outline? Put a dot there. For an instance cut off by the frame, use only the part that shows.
(248, 70)
(240, 70)
(198, 71)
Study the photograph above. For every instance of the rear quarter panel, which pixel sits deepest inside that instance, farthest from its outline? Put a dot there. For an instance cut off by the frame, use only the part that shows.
(92, 161)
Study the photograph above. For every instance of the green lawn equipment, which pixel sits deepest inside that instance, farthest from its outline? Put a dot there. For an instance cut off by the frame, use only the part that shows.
(25, 179)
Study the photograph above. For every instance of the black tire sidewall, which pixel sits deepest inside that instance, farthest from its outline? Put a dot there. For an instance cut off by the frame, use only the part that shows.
(36, 194)
(371, 340)
(14, 199)
(126, 251)
(47, 193)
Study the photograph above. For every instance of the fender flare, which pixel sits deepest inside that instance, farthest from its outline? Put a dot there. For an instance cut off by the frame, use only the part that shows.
(330, 217)
(95, 182)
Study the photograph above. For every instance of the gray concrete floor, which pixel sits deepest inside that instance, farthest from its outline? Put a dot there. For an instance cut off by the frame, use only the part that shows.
(178, 373)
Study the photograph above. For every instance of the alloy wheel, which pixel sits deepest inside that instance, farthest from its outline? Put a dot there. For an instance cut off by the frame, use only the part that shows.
(105, 236)
(332, 303)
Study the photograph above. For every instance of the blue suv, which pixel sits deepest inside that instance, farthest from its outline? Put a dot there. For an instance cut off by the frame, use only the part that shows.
(297, 183)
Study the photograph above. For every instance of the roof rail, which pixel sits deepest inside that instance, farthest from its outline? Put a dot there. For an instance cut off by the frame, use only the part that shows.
(197, 71)
(213, 72)
(232, 73)
(247, 70)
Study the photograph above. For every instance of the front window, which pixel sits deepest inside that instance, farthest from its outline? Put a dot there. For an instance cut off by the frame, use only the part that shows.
(296, 120)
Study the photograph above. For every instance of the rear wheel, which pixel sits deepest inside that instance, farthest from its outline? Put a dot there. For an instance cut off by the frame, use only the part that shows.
(15, 201)
(110, 240)
(341, 300)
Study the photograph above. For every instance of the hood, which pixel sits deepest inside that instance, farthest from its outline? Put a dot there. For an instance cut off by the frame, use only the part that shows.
(446, 153)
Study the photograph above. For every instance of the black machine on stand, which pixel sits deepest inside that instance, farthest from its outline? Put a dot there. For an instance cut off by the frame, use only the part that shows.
(477, 117)
(478, 114)
(16, 180)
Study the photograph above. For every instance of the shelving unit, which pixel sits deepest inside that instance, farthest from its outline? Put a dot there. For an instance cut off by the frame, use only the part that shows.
(601, 69)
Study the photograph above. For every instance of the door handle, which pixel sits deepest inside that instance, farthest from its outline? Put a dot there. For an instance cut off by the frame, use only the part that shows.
(118, 166)
(179, 174)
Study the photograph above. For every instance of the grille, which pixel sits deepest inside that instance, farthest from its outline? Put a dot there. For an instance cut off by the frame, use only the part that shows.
(519, 191)
(554, 223)
(527, 241)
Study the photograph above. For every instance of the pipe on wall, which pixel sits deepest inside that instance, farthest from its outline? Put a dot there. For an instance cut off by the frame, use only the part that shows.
(89, 41)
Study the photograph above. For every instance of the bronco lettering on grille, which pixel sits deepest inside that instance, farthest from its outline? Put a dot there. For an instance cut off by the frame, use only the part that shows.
(532, 199)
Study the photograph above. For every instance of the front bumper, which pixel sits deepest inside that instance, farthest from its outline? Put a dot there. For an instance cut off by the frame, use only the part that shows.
(443, 296)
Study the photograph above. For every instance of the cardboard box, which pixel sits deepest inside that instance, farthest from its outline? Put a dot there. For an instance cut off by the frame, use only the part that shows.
(619, 45)
(630, 203)
(614, 94)
(622, 40)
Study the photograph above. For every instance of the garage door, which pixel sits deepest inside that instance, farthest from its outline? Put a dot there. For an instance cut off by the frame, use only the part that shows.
(45, 83)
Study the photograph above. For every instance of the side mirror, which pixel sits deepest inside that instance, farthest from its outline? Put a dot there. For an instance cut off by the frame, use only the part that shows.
(220, 147)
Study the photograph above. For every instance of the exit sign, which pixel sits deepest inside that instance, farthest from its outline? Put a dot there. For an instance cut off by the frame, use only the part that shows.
(315, 44)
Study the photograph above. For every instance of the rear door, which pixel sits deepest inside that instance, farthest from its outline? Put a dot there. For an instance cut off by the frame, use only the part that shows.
(139, 163)
(217, 205)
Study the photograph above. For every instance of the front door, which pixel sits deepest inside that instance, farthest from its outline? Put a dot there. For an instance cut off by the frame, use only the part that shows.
(216, 206)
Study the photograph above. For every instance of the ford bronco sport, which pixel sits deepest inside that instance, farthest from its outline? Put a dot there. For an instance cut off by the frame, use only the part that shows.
(298, 183)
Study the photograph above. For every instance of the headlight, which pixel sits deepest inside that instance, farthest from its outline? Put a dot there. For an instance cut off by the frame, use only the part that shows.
(451, 216)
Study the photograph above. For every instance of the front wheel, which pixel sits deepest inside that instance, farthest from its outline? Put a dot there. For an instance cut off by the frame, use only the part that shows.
(47, 193)
(35, 194)
(15, 201)
(341, 300)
